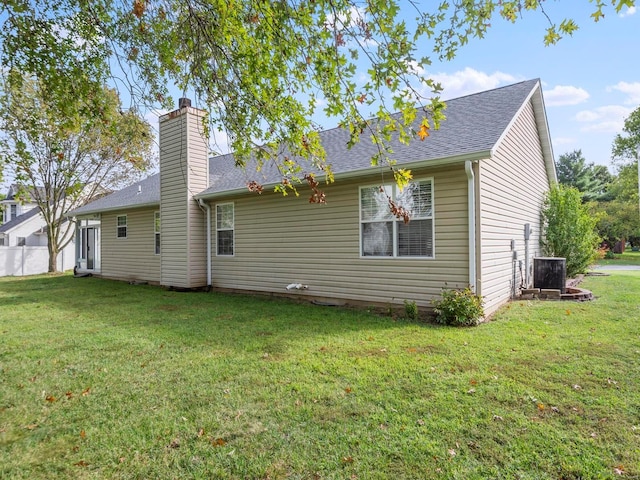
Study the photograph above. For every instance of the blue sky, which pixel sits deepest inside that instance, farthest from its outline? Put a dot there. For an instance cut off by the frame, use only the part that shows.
(591, 80)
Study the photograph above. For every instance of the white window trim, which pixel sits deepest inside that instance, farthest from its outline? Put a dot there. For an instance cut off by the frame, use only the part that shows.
(233, 229)
(156, 233)
(395, 221)
(126, 226)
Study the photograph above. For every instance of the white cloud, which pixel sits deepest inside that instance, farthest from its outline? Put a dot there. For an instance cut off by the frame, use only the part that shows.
(606, 119)
(628, 12)
(469, 80)
(562, 95)
(564, 140)
(630, 89)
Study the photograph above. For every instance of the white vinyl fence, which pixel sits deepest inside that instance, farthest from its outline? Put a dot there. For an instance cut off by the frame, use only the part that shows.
(20, 261)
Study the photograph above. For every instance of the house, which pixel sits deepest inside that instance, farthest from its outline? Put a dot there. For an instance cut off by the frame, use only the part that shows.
(477, 189)
(23, 238)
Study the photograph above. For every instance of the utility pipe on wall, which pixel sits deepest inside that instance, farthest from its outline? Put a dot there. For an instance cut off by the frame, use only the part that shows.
(207, 209)
(471, 200)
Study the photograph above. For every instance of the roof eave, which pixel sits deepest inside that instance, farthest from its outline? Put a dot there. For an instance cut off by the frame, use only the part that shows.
(434, 162)
(112, 209)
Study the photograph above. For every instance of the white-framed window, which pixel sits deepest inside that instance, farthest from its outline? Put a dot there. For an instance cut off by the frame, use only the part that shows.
(384, 235)
(14, 211)
(224, 228)
(121, 226)
(21, 241)
(2, 241)
(156, 231)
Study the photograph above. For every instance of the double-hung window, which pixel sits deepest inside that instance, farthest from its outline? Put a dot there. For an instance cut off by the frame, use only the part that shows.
(224, 228)
(156, 231)
(122, 226)
(384, 235)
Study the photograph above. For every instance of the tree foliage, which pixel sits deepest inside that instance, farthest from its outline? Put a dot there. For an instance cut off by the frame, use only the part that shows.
(65, 160)
(592, 181)
(626, 144)
(262, 69)
(569, 230)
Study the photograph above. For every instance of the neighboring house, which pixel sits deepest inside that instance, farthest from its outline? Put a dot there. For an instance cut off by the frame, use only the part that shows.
(24, 226)
(479, 182)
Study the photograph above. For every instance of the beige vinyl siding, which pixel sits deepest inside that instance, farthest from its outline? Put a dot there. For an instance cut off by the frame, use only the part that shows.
(283, 240)
(512, 187)
(184, 173)
(131, 258)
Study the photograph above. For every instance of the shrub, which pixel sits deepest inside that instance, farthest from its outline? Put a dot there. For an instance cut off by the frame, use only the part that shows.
(411, 309)
(569, 230)
(460, 308)
(609, 255)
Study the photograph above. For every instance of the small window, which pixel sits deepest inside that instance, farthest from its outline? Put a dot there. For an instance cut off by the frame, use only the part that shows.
(122, 226)
(224, 228)
(21, 241)
(156, 230)
(14, 212)
(1, 241)
(383, 235)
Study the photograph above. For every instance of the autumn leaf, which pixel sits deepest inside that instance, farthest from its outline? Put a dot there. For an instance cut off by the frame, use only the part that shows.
(568, 312)
(86, 391)
(81, 463)
(138, 8)
(50, 398)
(541, 407)
(83, 434)
(33, 426)
(348, 459)
(69, 394)
(200, 433)
(218, 442)
(175, 443)
(619, 470)
(347, 390)
(423, 132)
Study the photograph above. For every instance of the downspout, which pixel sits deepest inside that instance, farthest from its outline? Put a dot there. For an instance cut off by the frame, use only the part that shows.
(471, 200)
(207, 209)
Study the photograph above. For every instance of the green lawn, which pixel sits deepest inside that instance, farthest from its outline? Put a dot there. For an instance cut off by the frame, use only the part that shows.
(102, 379)
(627, 258)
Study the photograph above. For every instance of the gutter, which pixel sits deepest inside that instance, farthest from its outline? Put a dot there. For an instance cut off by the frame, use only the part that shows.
(207, 209)
(474, 156)
(471, 201)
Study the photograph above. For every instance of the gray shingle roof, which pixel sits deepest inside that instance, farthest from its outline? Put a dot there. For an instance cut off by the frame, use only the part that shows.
(143, 193)
(474, 125)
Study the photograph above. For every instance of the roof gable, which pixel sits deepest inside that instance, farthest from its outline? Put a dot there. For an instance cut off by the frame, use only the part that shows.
(14, 222)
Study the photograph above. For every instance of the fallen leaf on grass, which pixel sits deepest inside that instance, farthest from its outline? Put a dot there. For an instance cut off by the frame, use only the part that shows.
(83, 434)
(50, 398)
(200, 433)
(577, 387)
(451, 452)
(175, 443)
(471, 391)
(347, 390)
(619, 470)
(33, 426)
(347, 459)
(86, 391)
(498, 418)
(81, 463)
(541, 407)
(69, 394)
(218, 442)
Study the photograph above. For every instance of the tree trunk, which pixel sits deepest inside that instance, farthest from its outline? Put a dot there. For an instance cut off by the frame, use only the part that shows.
(53, 257)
